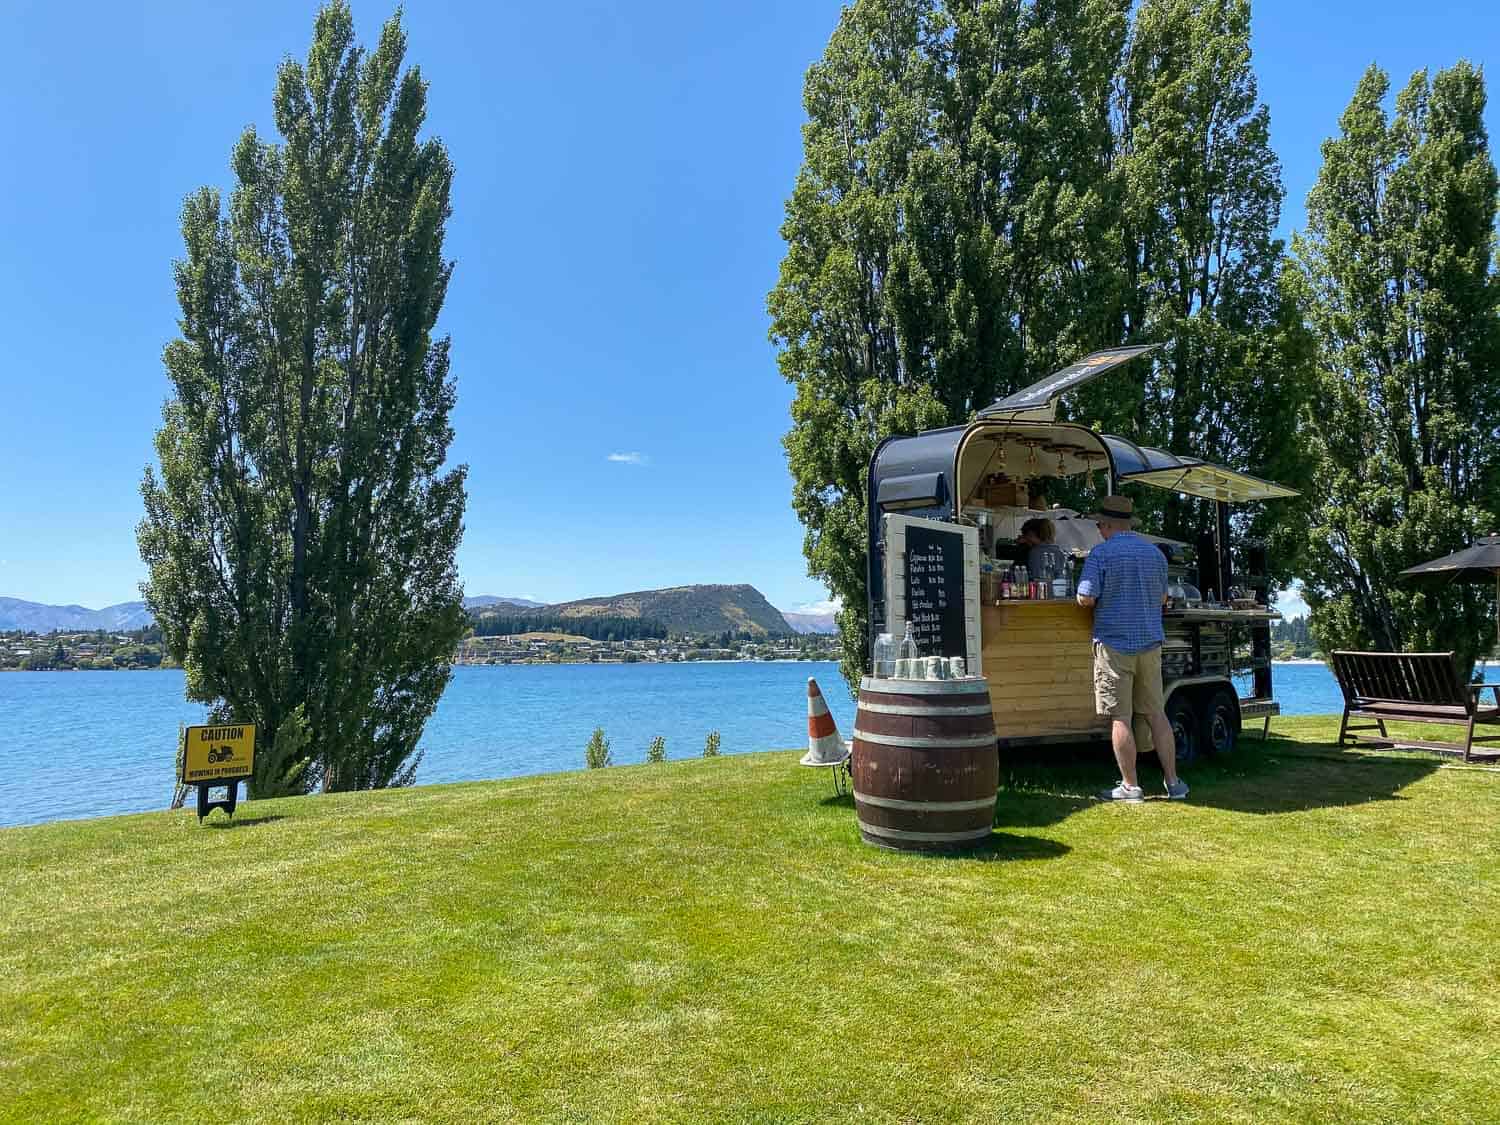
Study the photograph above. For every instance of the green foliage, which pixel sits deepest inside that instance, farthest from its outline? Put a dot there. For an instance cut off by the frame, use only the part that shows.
(990, 191)
(596, 754)
(1200, 195)
(300, 535)
(136, 656)
(179, 790)
(711, 745)
(657, 751)
(1396, 272)
(280, 766)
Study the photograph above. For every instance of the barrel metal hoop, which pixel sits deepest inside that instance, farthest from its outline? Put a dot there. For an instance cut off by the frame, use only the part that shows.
(925, 806)
(925, 837)
(923, 712)
(969, 685)
(953, 742)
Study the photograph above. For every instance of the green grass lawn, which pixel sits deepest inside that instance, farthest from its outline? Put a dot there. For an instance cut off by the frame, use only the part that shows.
(1310, 937)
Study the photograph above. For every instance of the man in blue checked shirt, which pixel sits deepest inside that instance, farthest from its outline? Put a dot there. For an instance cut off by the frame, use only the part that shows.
(1125, 583)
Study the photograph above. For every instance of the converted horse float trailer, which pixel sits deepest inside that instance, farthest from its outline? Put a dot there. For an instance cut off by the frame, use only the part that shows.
(945, 517)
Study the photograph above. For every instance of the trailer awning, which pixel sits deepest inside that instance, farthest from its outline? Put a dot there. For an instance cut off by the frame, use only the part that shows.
(1193, 476)
(1190, 475)
(1038, 402)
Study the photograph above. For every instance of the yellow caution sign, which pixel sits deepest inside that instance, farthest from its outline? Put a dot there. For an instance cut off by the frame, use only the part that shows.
(217, 754)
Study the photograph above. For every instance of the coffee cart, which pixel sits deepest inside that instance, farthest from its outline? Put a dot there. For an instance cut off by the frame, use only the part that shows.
(975, 485)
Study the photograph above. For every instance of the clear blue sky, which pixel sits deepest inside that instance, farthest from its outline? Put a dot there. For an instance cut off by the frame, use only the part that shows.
(621, 170)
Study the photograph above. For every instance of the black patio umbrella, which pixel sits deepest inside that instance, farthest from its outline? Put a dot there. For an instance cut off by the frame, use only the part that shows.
(1479, 563)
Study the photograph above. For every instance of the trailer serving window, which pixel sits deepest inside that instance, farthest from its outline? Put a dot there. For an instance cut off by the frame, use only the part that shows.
(998, 463)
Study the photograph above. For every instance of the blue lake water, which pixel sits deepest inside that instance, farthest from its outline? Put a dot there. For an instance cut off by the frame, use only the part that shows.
(76, 744)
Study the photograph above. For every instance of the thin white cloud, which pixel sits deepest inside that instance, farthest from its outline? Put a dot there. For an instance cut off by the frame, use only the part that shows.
(828, 605)
(628, 458)
(1291, 603)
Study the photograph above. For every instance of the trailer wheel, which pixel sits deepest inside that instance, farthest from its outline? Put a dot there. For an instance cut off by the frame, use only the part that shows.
(1186, 726)
(1221, 723)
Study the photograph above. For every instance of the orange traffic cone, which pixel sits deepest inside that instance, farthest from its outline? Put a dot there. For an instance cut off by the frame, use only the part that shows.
(824, 746)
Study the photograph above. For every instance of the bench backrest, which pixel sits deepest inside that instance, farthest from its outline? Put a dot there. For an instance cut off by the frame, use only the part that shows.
(1399, 677)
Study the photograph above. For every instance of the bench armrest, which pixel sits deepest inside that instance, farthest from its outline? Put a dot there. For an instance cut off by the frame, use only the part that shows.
(1476, 689)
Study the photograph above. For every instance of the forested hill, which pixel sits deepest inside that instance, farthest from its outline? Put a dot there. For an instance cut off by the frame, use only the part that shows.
(693, 610)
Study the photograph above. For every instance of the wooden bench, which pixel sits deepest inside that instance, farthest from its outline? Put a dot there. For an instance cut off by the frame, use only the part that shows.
(1412, 687)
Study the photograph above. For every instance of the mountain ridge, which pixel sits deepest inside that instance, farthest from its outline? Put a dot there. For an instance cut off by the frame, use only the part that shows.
(37, 617)
(698, 609)
(822, 624)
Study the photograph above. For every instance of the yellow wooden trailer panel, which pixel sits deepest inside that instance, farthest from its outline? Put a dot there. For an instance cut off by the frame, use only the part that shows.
(1039, 659)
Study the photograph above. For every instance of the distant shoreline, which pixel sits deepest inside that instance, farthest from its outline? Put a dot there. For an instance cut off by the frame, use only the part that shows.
(110, 671)
(512, 664)
(572, 664)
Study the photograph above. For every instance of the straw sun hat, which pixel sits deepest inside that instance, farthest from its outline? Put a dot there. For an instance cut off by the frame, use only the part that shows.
(1119, 509)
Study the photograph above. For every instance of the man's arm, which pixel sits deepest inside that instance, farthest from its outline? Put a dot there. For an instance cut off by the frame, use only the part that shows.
(1091, 581)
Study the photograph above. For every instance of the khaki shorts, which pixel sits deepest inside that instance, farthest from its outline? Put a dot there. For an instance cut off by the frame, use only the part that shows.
(1127, 683)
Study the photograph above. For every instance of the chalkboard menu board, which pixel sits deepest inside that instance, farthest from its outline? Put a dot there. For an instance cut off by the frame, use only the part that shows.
(935, 590)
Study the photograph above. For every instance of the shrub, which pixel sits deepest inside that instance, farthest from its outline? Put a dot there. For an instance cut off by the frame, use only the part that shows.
(657, 751)
(711, 746)
(597, 752)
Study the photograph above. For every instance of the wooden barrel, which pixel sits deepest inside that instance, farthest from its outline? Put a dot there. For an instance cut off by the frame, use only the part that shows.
(925, 764)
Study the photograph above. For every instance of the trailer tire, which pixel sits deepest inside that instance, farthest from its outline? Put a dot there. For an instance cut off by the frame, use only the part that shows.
(1187, 726)
(1221, 723)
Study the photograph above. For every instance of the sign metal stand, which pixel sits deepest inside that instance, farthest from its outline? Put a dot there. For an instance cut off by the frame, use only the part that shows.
(205, 806)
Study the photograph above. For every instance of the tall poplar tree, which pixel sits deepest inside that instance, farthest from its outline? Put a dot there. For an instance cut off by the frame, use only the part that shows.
(990, 191)
(1397, 273)
(953, 189)
(1200, 196)
(300, 534)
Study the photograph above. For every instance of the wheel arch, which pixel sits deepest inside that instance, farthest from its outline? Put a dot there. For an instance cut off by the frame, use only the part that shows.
(1200, 686)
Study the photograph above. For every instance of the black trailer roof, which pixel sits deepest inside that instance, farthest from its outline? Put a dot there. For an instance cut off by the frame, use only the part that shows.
(916, 474)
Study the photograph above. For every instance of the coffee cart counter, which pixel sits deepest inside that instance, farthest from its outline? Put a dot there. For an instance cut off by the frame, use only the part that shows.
(1221, 613)
(1039, 660)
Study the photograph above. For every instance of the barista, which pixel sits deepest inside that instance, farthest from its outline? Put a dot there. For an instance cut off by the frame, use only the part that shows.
(1043, 556)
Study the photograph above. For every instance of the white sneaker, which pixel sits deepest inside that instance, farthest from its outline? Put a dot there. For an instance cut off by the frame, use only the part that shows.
(1177, 791)
(1132, 794)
